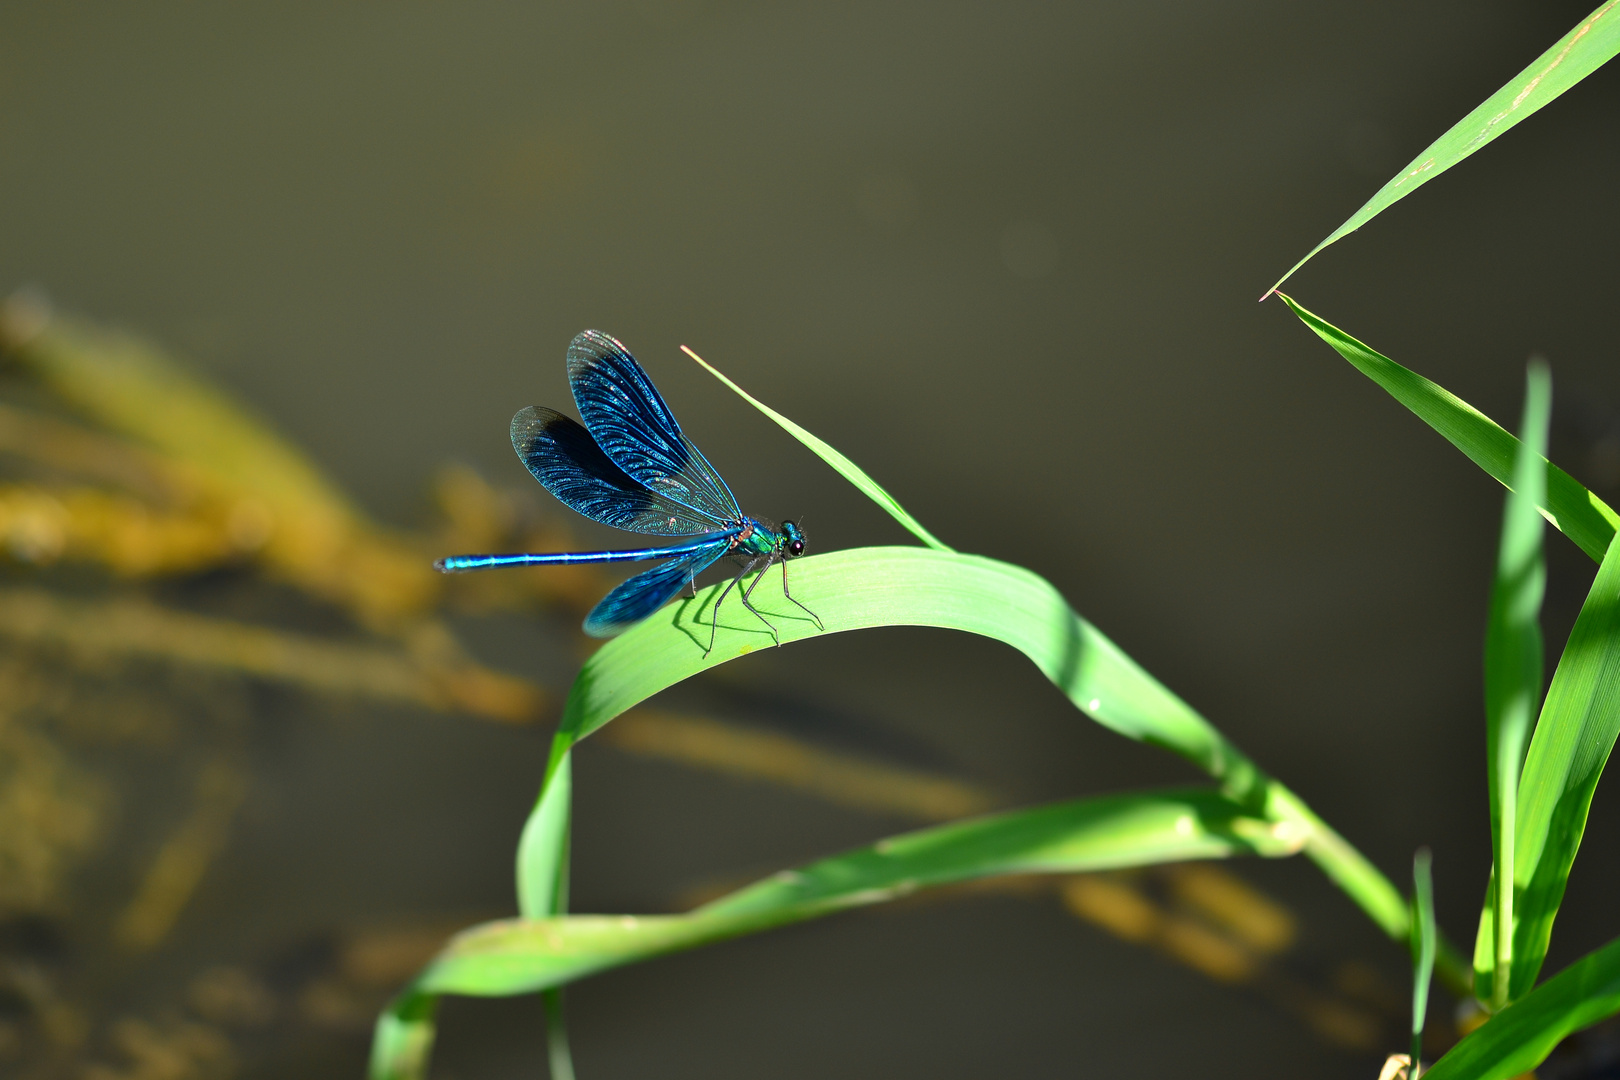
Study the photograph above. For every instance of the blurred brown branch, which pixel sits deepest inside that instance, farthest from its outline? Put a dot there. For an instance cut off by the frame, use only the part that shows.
(436, 675)
(163, 475)
(200, 482)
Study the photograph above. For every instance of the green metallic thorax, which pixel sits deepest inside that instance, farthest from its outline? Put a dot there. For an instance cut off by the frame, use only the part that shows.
(757, 539)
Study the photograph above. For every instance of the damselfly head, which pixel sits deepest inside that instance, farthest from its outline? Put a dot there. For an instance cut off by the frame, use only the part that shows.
(792, 540)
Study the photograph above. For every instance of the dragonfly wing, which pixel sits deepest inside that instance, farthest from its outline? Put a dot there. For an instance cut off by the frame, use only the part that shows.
(630, 422)
(562, 456)
(645, 593)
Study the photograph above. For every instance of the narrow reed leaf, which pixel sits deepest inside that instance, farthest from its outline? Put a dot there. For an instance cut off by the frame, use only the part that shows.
(559, 1057)
(1169, 722)
(1576, 55)
(910, 586)
(402, 1039)
(542, 855)
(1423, 935)
(1521, 1036)
(1573, 510)
(898, 586)
(1513, 660)
(1485, 943)
(851, 590)
(1571, 744)
(515, 956)
(841, 464)
(519, 956)
(857, 589)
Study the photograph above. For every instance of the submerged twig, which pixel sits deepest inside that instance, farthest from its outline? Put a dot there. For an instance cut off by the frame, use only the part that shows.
(437, 677)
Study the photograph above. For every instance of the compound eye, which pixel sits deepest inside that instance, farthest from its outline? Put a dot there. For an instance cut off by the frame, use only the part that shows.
(796, 548)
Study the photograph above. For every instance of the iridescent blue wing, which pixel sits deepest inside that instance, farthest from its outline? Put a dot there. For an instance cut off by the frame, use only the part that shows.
(563, 456)
(645, 593)
(630, 422)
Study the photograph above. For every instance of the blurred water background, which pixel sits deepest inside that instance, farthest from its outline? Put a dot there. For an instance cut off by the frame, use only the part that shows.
(257, 761)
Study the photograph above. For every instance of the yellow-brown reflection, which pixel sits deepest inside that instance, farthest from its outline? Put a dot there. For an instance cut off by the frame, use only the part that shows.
(430, 671)
(154, 474)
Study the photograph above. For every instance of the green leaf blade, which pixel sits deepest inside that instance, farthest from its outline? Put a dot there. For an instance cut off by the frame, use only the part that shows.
(853, 590)
(1570, 507)
(525, 955)
(1587, 47)
(858, 589)
(861, 588)
(1423, 949)
(1573, 738)
(402, 1039)
(909, 586)
(542, 855)
(1521, 1036)
(1513, 661)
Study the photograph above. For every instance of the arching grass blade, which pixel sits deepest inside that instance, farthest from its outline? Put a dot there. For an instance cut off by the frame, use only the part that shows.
(871, 587)
(1193, 738)
(919, 587)
(1576, 55)
(524, 955)
(1573, 510)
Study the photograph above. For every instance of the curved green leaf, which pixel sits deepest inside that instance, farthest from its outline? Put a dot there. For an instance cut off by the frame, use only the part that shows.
(1521, 1036)
(1346, 866)
(1573, 510)
(860, 588)
(542, 855)
(1576, 55)
(907, 586)
(852, 590)
(1571, 744)
(522, 955)
(514, 956)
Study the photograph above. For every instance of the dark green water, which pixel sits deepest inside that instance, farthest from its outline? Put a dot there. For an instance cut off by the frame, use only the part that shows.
(1005, 257)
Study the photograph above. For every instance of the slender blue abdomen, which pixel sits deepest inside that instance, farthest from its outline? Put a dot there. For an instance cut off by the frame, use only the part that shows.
(456, 563)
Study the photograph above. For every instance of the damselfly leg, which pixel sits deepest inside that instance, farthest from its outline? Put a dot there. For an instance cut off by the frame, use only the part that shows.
(801, 607)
